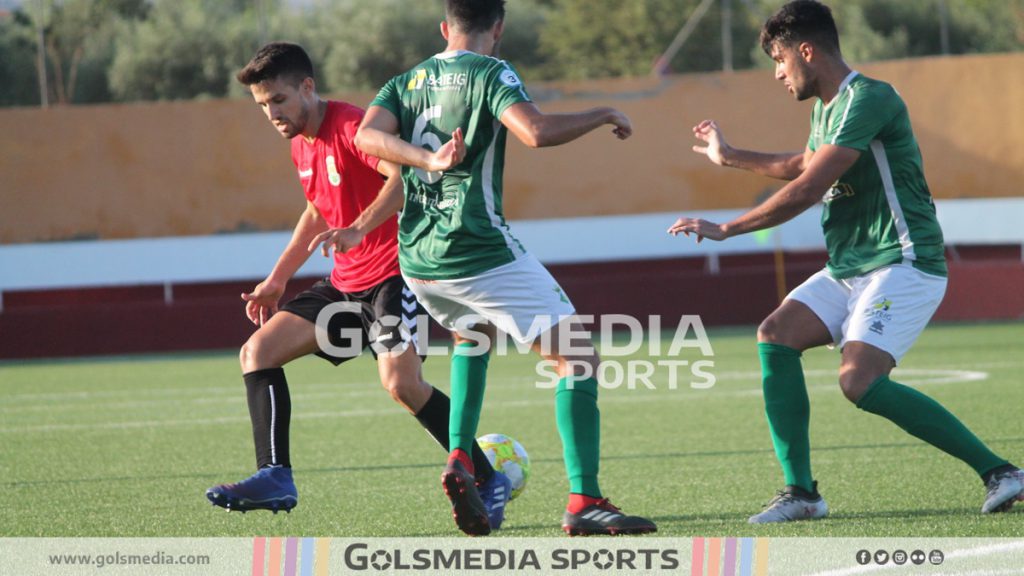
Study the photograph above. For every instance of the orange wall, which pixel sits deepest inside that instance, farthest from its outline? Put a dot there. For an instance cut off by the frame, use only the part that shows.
(169, 169)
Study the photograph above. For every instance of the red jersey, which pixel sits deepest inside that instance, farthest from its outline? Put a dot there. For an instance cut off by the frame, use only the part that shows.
(342, 181)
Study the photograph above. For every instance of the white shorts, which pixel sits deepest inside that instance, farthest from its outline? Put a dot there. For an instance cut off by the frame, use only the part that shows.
(520, 298)
(887, 308)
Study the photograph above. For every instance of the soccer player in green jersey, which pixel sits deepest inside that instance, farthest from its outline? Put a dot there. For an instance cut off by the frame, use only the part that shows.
(446, 121)
(886, 272)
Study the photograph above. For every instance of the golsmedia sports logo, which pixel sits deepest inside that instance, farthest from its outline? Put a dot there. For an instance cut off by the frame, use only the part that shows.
(360, 557)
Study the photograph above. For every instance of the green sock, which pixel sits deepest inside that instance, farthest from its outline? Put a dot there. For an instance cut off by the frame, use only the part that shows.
(468, 381)
(579, 425)
(788, 411)
(928, 420)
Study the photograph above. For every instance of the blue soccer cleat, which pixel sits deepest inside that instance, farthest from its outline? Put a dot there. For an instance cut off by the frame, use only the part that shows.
(270, 488)
(495, 493)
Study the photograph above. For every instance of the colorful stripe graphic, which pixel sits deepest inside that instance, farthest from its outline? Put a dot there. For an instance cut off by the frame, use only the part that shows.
(274, 563)
(714, 555)
(309, 559)
(291, 548)
(697, 558)
(752, 559)
(729, 566)
(259, 550)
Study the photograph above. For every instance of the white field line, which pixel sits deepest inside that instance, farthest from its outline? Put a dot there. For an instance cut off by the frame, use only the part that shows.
(917, 377)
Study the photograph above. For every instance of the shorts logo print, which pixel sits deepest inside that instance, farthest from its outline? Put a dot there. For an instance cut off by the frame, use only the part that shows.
(558, 290)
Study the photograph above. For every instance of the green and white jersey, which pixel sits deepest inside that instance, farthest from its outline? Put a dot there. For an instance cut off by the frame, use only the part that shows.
(880, 211)
(452, 225)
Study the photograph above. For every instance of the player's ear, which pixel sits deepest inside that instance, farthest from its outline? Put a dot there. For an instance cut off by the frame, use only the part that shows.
(308, 85)
(806, 51)
(444, 29)
(499, 29)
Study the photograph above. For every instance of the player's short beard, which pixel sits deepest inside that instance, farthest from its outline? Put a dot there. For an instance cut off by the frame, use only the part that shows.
(302, 121)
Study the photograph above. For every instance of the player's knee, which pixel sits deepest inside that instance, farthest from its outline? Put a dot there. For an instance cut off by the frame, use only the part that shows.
(253, 355)
(768, 331)
(403, 389)
(585, 366)
(854, 382)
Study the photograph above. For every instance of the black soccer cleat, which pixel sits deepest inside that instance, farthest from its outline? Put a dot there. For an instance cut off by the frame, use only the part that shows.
(467, 506)
(603, 518)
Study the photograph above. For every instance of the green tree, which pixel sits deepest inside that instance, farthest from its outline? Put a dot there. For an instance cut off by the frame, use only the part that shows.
(184, 49)
(597, 38)
(77, 45)
(359, 45)
(18, 86)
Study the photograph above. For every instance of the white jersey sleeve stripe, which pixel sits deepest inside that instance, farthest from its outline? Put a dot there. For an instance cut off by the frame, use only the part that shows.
(846, 112)
(487, 177)
(882, 160)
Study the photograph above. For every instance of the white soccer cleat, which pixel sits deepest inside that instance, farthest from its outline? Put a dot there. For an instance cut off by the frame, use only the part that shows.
(1003, 490)
(792, 503)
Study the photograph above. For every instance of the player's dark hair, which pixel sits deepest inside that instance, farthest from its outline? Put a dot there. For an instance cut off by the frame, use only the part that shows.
(474, 15)
(801, 21)
(277, 60)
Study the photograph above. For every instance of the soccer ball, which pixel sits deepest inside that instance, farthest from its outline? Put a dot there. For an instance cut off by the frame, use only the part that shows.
(509, 457)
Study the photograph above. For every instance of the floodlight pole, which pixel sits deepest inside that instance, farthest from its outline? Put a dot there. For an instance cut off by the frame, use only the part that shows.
(44, 91)
(661, 64)
(726, 35)
(261, 12)
(944, 27)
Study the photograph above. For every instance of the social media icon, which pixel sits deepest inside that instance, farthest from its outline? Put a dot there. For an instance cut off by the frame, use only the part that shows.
(917, 557)
(863, 557)
(881, 557)
(899, 557)
(936, 557)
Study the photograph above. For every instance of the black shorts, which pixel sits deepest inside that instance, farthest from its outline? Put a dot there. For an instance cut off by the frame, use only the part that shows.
(383, 318)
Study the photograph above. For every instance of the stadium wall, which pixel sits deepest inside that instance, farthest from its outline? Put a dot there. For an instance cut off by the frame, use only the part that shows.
(206, 167)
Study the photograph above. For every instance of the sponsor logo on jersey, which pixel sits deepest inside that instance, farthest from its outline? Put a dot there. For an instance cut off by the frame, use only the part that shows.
(450, 81)
(840, 190)
(417, 81)
(449, 202)
(433, 201)
(509, 78)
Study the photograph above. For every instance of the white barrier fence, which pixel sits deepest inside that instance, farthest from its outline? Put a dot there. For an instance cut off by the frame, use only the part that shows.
(230, 257)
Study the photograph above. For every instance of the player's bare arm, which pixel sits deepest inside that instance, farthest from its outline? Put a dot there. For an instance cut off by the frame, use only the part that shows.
(782, 166)
(827, 165)
(378, 136)
(387, 203)
(537, 130)
(262, 302)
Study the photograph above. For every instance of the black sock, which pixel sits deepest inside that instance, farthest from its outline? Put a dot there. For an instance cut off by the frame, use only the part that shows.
(987, 476)
(270, 410)
(434, 417)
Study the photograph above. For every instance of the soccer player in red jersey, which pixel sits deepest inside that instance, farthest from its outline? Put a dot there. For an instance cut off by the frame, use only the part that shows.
(351, 209)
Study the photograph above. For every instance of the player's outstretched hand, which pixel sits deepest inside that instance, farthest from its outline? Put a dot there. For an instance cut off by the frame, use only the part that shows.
(450, 154)
(716, 148)
(700, 228)
(261, 303)
(623, 127)
(341, 239)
